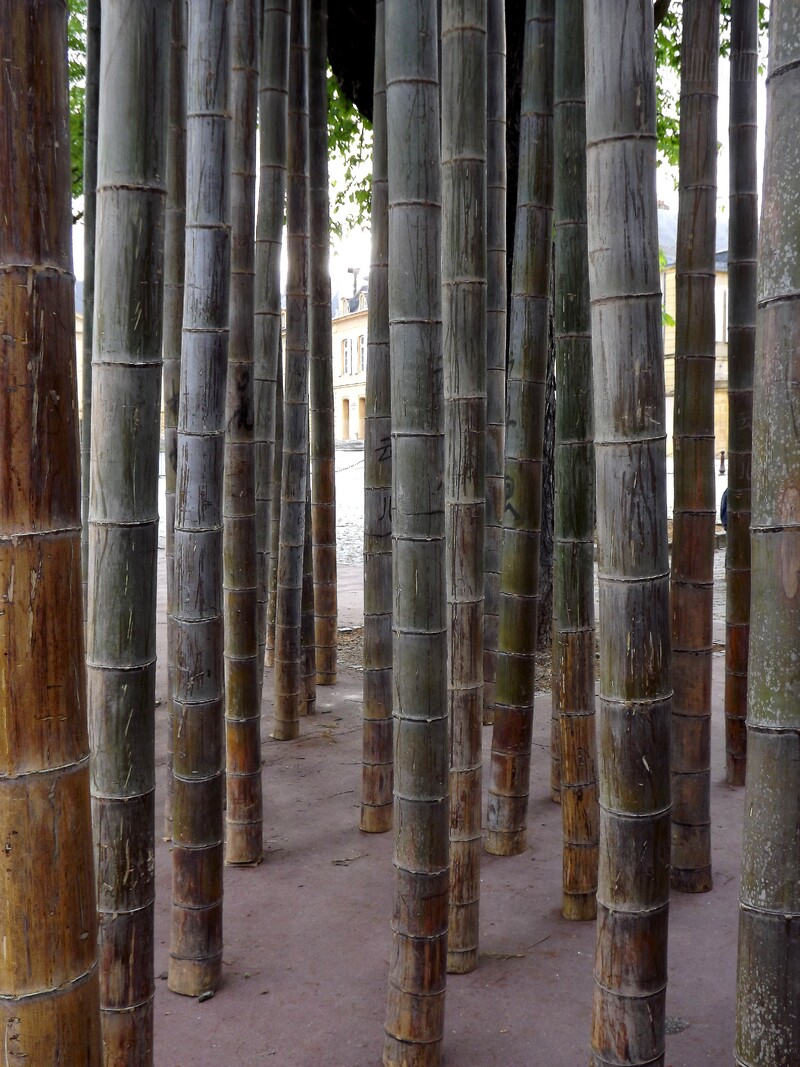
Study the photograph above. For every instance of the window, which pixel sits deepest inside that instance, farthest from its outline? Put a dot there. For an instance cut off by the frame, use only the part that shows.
(362, 352)
(347, 355)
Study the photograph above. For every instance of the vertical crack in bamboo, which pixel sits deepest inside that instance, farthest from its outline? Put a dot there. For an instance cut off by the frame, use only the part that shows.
(464, 62)
(244, 810)
(195, 963)
(377, 758)
(509, 777)
(573, 535)
(628, 1018)
(49, 978)
(694, 514)
(767, 1025)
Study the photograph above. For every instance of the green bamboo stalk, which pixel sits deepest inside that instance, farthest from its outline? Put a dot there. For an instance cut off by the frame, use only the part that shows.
(633, 562)
(573, 563)
(377, 763)
(272, 96)
(509, 779)
(243, 811)
(464, 62)
(195, 964)
(90, 112)
(417, 972)
(174, 248)
(694, 515)
(323, 457)
(496, 315)
(49, 978)
(767, 1022)
(742, 250)
(123, 509)
(290, 692)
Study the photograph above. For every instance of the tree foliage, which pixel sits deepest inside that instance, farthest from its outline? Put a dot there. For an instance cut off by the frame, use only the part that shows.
(76, 56)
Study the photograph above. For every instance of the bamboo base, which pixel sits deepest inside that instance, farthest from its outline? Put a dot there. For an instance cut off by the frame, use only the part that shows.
(462, 962)
(512, 843)
(192, 978)
(376, 819)
(402, 1054)
(579, 907)
(488, 716)
(736, 770)
(694, 880)
(285, 730)
(555, 794)
(243, 847)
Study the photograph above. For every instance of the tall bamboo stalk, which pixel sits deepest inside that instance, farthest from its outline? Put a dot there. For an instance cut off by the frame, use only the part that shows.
(496, 315)
(174, 249)
(307, 633)
(573, 563)
(742, 250)
(694, 515)
(272, 96)
(290, 693)
(464, 60)
(633, 562)
(90, 112)
(243, 811)
(417, 970)
(767, 1022)
(49, 985)
(323, 458)
(195, 964)
(123, 509)
(509, 780)
(275, 512)
(377, 762)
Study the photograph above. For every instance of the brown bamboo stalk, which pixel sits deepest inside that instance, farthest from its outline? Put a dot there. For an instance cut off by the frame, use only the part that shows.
(694, 515)
(174, 248)
(290, 693)
(49, 979)
(509, 779)
(275, 513)
(464, 62)
(768, 965)
(273, 90)
(195, 964)
(308, 637)
(243, 811)
(573, 565)
(323, 457)
(742, 249)
(628, 1020)
(496, 315)
(417, 972)
(377, 760)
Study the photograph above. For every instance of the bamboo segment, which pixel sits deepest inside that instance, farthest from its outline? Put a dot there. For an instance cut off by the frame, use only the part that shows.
(309, 653)
(174, 247)
(290, 692)
(742, 249)
(464, 60)
(509, 779)
(496, 304)
(630, 448)
(123, 510)
(417, 968)
(275, 513)
(49, 979)
(323, 457)
(694, 515)
(90, 113)
(195, 964)
(767, 1024)
(273, 90)
(573, 563)
(243, 810)
(377, 762)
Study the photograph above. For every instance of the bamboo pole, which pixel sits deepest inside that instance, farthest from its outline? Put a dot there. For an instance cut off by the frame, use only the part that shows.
(464, 60)
(509, 777)
(49, 979)
(323, 457)
(633, 563)
(767, 1022)
(243, 810)
(417, 971)
(275, 511)
(573, 565)
(174, 248)
(742, 250)
(377, 762)
(195, 964)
